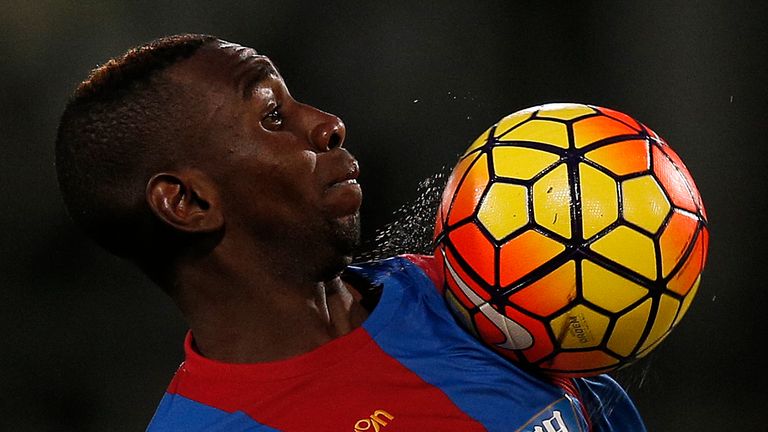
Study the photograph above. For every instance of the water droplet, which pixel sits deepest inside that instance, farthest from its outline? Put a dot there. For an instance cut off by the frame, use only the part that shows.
(413, 225)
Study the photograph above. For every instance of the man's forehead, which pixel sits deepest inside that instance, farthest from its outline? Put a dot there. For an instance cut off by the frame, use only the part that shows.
(242, 67)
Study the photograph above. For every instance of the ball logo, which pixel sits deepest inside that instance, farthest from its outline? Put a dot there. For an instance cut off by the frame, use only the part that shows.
(516, 336)
(579, 329)
(375, 422)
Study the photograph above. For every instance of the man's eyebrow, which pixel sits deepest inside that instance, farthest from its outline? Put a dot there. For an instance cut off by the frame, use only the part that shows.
(256, 70)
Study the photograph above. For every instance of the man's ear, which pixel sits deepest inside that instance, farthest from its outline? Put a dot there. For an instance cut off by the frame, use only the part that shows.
(185, 200)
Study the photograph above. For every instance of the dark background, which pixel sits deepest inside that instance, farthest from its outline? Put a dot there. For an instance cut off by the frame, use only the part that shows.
(88, 344)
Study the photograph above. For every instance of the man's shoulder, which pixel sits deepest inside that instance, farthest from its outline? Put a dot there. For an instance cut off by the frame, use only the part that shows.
(413, 265)
(609, 406)
(367, 280)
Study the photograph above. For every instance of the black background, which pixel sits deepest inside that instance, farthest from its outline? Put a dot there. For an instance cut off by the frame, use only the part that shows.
(88, 344)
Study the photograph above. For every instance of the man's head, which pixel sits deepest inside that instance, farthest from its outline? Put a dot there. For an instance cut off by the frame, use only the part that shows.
(190, 142)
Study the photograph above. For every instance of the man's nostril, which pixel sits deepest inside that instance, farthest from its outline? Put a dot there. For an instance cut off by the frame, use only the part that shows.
(334, 141)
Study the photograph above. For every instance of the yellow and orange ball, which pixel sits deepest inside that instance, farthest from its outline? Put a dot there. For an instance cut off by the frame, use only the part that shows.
(572, 238)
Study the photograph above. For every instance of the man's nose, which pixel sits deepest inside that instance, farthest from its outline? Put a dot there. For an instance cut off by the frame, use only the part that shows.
(328, 133)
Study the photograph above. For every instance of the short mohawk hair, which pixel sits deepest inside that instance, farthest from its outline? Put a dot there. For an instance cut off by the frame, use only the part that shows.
(137, 64)
(118, 127)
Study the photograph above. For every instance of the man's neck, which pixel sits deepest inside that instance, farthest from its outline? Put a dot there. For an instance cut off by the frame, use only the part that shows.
(258, 317)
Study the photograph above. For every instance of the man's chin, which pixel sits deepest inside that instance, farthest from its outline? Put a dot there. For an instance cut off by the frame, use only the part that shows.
(347, 234)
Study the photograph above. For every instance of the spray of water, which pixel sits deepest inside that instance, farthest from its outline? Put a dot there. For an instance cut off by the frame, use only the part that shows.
(413, 225)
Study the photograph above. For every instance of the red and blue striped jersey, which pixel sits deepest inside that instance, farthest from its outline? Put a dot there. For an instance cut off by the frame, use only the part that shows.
(409, 367)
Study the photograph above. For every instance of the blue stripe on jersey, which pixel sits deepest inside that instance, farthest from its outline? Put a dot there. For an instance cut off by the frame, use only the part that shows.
(180, 414)
(425, 338)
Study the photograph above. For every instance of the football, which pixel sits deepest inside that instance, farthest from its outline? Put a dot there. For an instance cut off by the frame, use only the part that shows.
(572, 239)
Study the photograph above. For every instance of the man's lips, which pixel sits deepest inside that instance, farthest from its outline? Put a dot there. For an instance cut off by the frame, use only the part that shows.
(349, 178)
(345, 182)
(343, 195)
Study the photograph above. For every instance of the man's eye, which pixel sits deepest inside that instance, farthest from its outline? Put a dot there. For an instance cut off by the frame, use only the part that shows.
(273, 119)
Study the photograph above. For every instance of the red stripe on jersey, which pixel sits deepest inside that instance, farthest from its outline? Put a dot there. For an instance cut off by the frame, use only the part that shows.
(334, 388)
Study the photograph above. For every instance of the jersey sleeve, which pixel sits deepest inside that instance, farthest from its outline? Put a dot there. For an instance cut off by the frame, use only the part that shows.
(609, 407)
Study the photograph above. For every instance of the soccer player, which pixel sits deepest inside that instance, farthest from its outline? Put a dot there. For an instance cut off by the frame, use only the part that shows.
(189, 157)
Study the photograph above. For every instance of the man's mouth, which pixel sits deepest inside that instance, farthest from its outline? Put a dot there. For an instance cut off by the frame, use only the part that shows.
(350, 178)
(346, 182)
(343, 195)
